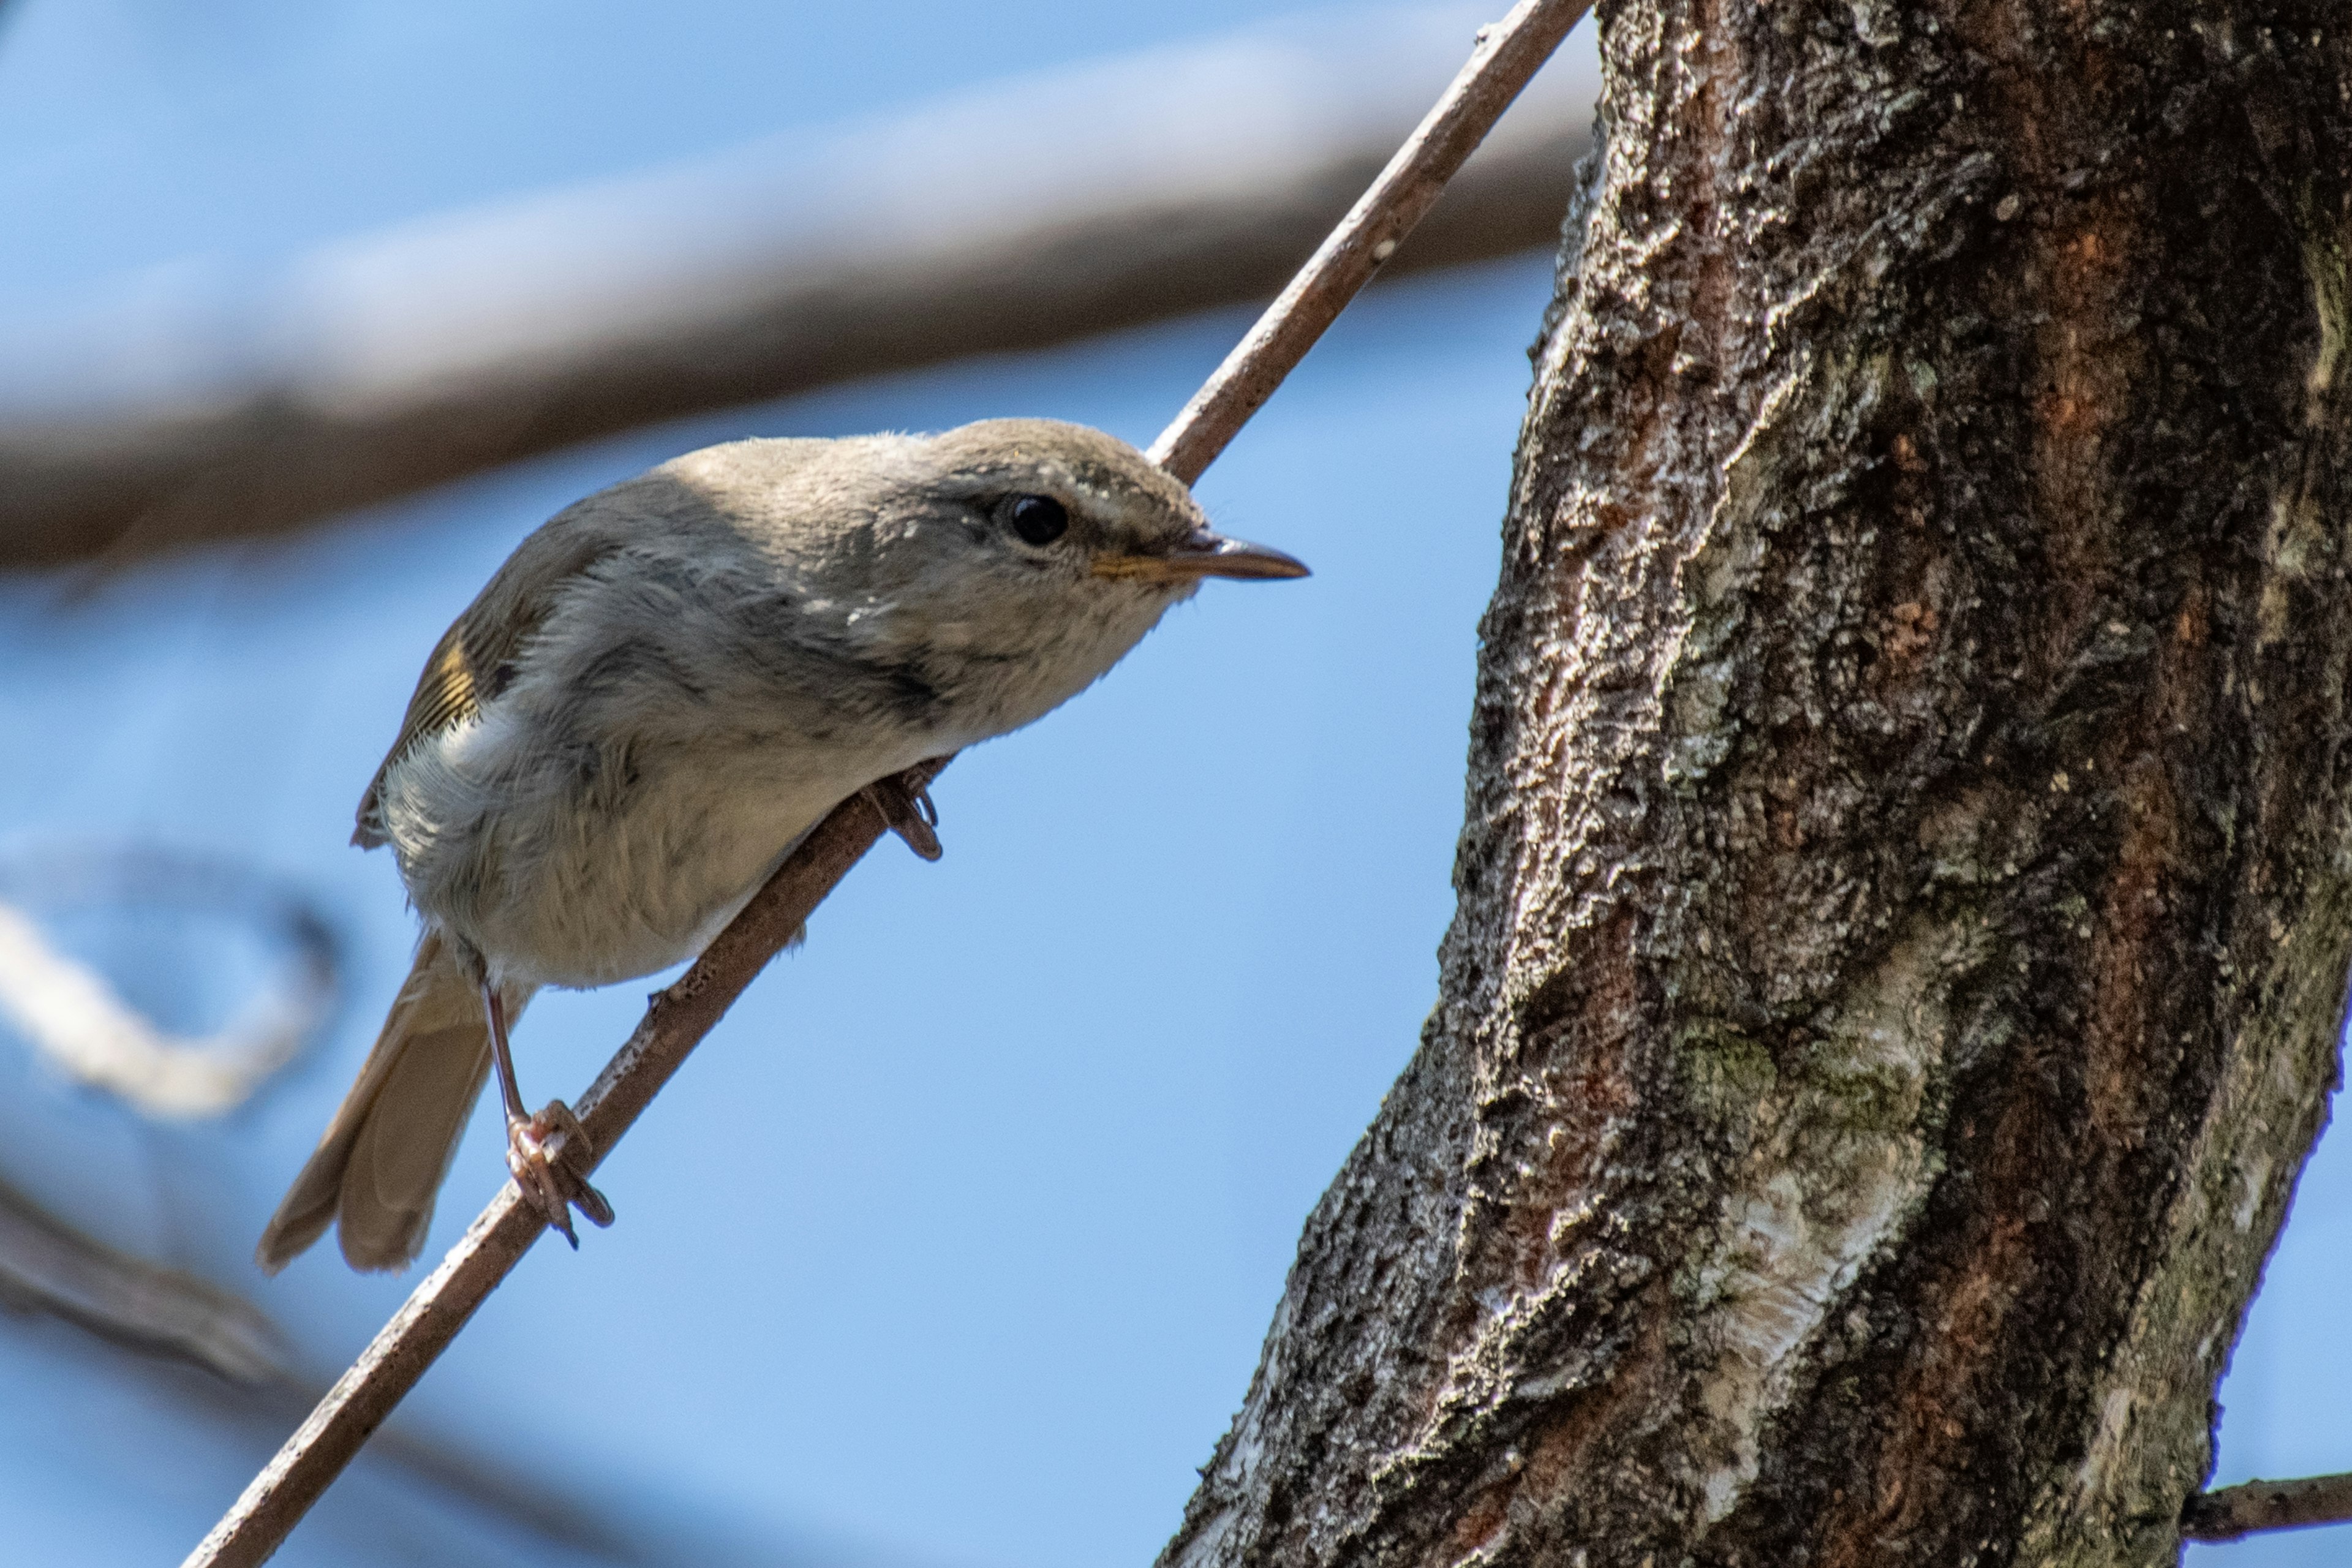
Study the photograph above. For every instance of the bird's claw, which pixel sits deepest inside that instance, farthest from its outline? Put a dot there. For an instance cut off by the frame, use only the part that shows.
(907, 811)
(549, 1155)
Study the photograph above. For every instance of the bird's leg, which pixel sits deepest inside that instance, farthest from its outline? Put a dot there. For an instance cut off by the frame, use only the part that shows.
(552, 1175)
(907, 810)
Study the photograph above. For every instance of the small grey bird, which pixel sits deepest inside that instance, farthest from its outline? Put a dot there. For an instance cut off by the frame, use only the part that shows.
(662, 689)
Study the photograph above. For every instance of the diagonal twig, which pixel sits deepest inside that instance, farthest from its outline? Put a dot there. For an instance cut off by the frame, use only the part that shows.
(1507, 54)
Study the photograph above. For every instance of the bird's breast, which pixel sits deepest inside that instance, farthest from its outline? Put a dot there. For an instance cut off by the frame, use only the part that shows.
(585, 865)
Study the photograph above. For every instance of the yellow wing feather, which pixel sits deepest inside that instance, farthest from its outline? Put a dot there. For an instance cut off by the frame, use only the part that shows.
(447, 693)
(473, 662)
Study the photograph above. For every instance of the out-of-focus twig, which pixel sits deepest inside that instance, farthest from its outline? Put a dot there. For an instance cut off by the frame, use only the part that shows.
(48, 1266)
(1507, 54)
(2241, 1511)
(71, 1013)
(984, 225)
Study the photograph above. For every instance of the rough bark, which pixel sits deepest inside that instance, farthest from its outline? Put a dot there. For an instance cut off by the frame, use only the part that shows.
(1905, 897)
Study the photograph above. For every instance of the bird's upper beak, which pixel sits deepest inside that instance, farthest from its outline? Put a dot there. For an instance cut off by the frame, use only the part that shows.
(1203, 553)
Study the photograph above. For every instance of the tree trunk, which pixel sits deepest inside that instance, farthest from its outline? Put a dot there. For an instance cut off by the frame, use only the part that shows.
(1904, 898)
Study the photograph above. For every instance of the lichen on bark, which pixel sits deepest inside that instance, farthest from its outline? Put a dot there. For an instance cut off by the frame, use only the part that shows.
(1905, 896)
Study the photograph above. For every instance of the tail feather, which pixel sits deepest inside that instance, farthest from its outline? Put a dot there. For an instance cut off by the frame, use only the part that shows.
(377, 1169)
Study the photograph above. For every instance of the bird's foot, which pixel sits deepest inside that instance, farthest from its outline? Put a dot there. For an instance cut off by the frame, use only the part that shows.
(549, 1155)
(904, 802)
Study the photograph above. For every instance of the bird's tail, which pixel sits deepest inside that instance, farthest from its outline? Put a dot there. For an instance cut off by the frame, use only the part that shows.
(375, 1171)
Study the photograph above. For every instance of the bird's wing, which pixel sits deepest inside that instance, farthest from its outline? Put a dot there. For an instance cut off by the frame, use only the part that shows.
(474, 660)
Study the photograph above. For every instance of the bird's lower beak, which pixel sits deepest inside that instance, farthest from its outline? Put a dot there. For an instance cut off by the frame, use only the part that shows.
(1204, 554)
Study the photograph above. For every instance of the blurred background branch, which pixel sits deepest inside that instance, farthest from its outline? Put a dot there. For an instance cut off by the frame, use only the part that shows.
(160, 914)
(1021, 214)
(49, 1268)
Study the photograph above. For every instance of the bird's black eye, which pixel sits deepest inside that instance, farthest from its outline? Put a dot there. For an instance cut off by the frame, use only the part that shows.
(1038, 520)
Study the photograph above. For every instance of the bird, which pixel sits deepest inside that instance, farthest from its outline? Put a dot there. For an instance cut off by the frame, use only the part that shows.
(661, 690)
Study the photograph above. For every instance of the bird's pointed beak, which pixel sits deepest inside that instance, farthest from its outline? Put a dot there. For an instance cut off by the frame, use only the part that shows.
(1204, 553)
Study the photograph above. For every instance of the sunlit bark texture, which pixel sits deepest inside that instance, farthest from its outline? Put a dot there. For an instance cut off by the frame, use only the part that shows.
(1905, 896)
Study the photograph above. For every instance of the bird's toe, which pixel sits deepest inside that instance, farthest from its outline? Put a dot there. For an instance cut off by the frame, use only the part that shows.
(549, 1155)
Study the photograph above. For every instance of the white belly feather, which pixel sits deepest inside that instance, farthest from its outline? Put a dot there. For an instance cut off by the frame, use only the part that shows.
(564, 878)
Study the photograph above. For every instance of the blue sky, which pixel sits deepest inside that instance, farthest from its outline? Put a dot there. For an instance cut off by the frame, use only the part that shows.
(960, 1237)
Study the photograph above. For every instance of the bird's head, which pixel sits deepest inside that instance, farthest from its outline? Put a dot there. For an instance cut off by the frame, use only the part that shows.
(1027, 556)
(1043, 499)
(978, 578)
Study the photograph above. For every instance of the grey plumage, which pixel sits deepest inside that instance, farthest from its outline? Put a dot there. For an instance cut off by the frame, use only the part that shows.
(670, 681)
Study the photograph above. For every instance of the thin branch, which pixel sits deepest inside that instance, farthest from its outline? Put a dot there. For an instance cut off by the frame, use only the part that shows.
(2234, 1513)
(1508, 54)
(676, 1019)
